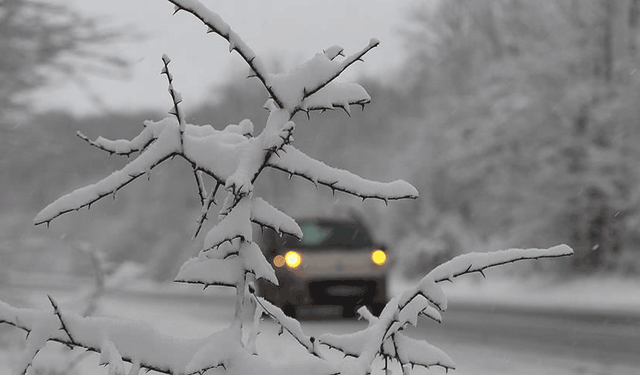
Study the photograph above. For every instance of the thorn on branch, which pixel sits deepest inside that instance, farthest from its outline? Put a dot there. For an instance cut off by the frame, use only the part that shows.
(63, 326)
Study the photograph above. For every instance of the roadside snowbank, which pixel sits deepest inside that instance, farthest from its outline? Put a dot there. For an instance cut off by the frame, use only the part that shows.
(588, 295)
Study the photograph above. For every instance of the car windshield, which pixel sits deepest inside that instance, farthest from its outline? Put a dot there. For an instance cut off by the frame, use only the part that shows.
(328, 234)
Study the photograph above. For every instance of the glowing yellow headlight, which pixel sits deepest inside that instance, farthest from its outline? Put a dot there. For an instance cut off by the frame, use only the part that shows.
(293, 259)
(278, 261)
(379, 257)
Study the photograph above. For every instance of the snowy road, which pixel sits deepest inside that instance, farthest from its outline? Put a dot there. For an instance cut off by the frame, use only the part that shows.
(577, 343)
(488, 339)
(481, 339)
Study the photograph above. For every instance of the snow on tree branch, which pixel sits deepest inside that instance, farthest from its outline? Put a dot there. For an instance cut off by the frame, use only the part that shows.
(304, 81)
(265, 215)
(166, 146)
(217, 25)
(135, 341)
(295, 162)
(478, 262)
(290, 325)
(337, 95)
(234, 158)
(383, 337)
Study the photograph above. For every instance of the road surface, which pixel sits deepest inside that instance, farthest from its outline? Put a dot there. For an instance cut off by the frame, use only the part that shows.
(481, 339)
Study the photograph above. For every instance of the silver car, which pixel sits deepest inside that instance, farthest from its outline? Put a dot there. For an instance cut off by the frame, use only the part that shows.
(333, 270)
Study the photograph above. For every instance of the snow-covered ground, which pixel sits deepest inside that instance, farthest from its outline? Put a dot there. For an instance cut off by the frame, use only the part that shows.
(598, 294)
(184, 317)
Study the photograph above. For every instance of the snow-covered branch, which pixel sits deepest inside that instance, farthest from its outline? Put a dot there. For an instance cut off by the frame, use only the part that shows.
(383, 337)
(336, 95)
(234, 159)
(325, 74)
(478, 262)
(296, 163)
(122, 146)
(290, 325)
(217, 25)
(135, 341)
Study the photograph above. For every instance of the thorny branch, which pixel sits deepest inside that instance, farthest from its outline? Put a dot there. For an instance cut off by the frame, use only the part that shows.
(176, 98)
(112, 151)
(310, 346)
(343, 66)
(218, 26)
(206, 205)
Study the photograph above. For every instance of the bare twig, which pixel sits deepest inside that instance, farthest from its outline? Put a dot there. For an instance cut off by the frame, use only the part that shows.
(63, 325)
(176, 98)
(206, 205)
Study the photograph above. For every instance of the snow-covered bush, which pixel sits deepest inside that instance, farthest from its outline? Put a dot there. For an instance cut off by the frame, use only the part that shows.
(231, 160)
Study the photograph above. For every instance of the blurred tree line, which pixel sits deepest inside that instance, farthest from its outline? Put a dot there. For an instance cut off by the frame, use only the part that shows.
(534, 107)
(516, 120)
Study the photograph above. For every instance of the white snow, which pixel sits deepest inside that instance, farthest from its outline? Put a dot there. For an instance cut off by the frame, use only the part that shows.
(202, 270)
(234, 159)
(292, 86)
(477, 262)
(192, 320)
(337, 94)
(163, 147)
(255, 262)
(295, 162)
(233, 225)
(266, 215)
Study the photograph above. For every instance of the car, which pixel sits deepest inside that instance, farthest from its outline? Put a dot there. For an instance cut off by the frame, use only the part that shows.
(333, 270)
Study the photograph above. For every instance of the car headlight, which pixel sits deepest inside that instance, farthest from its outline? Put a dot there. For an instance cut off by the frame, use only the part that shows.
(279, 261)
(379, 257)
(293, 259)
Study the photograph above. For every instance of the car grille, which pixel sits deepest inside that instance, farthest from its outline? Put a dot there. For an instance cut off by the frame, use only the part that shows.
(341, 291)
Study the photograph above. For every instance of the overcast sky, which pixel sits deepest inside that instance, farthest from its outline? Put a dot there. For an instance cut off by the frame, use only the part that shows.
(281, 31)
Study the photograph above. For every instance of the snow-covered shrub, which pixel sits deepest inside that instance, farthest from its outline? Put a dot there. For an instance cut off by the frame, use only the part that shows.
(231, 160)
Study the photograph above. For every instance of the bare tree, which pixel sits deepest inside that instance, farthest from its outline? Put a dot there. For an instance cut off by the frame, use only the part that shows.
(41, 41)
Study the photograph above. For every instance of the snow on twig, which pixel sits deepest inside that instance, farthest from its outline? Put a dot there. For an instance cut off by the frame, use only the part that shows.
(160, 150)
(337, 95)
(290, 325)
(234, 158)
(295, 162)
(217, 25)
(265, 215)
(135, 341)
(125, 147)
(478, 262)
(383, 337)
(234, 224)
